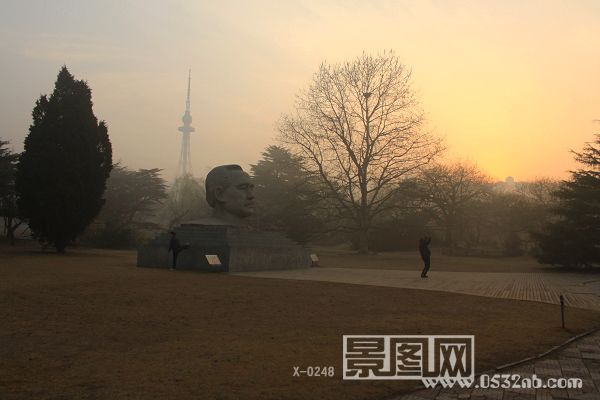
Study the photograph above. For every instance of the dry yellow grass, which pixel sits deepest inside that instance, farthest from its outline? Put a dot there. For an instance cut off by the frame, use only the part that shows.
(90, 325)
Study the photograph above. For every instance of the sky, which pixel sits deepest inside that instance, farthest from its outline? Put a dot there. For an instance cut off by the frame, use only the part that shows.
(510, 85)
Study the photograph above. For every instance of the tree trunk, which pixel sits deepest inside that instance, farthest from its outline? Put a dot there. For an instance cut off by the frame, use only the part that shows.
(363, 234)
(10, 235)
(9, 229)
(363, 241)
(12, 228)
(449, 240)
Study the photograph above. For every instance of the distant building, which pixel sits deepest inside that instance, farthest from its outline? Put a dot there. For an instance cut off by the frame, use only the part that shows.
(508, 186)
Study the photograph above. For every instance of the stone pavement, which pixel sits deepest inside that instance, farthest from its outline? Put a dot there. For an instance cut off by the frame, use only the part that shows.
(579, 290)
(580, 359)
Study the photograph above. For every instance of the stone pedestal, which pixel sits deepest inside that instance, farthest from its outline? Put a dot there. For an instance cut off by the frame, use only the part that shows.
(238, 249)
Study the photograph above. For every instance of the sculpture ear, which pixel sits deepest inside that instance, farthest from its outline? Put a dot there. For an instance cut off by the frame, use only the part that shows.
(218, 192)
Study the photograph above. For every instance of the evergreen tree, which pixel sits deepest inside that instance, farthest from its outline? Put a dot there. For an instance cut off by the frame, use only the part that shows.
(129, 213)
(573, 239)
(8, 207)
(287, 197)
(8, 162)
(63, 169)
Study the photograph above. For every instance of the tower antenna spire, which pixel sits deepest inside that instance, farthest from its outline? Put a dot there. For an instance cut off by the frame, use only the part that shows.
(185, 158)
(187, 102)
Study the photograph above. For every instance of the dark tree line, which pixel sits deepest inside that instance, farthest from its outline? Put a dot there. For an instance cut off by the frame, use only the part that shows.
(457, 203)
(559, 222)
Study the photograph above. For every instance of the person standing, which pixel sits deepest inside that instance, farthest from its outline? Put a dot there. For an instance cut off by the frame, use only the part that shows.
(425, 254)
(176, 248)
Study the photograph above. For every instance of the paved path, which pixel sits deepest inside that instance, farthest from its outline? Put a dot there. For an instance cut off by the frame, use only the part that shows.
(580, 359)
(579, 290)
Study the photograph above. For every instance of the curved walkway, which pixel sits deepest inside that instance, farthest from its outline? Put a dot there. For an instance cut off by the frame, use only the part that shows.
(580, 359)
(579, 290)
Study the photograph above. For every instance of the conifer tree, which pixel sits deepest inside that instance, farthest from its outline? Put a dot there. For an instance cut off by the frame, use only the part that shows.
(8, 207)
(573, 239)
(287, 196)
(65, 163)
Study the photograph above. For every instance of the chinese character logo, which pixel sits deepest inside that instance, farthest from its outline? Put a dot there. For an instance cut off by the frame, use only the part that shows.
(443, 359)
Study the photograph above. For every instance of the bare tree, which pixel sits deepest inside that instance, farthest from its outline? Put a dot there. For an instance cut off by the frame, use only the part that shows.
(359, 128)
(540, 190)
(186, 201)
(449, 189)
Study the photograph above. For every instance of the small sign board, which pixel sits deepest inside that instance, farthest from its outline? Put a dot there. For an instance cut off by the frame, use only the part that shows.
(315, 259)
(213, 260)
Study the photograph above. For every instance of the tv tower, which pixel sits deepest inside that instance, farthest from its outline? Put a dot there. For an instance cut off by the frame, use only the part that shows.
(185, 159)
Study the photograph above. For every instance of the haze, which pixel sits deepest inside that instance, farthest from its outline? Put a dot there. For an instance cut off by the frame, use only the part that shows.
(511, 85)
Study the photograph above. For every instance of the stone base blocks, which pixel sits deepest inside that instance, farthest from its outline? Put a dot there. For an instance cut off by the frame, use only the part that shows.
(238, 249)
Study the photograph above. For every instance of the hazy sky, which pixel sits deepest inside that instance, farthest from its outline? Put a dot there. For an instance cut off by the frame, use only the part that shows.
(511, 85)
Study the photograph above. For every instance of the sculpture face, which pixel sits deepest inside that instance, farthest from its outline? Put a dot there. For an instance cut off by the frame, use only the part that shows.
(237, 198)
(230, 191)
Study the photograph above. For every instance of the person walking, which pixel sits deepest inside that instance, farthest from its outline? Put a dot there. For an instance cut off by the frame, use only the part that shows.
(425, 254)
(176, 248)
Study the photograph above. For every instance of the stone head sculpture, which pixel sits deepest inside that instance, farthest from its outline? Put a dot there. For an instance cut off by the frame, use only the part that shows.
(229, 191)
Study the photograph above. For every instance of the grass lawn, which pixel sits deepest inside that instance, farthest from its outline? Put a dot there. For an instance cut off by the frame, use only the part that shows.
(90, 325)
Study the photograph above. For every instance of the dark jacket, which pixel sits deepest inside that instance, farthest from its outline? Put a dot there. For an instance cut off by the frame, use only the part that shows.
(424, 248)
(174, 245)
